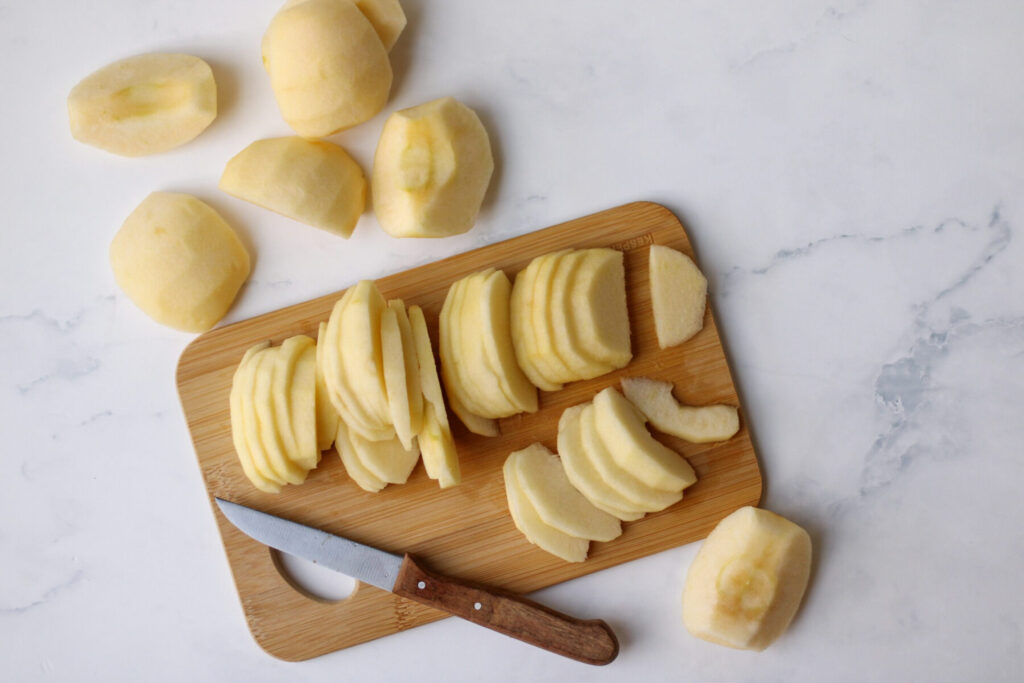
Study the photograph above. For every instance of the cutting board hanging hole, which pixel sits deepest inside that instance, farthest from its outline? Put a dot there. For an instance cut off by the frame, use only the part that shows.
(311, 580)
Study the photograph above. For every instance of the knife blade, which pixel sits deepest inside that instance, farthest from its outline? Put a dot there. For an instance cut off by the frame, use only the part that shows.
(590, 641)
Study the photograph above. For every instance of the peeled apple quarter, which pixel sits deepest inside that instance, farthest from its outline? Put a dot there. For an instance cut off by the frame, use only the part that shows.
(431, 170)
(747, 580)
(143, 105)
(179, 261)
(327, 65)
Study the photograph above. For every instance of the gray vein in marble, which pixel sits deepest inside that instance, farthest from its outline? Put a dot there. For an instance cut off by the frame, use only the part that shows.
(46, 597)
(67, 370)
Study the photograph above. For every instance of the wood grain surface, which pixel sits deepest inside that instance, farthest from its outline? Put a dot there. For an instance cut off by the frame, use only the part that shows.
(464, 531)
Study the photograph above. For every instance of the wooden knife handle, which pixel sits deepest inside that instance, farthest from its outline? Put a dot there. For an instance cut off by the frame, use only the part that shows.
(592, 641)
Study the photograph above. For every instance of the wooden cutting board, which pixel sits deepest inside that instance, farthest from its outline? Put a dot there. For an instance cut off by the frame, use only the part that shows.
(466, 530)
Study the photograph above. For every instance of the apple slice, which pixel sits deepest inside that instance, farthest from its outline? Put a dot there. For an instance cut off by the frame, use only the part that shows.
(542, 479)
(600, 317)
(560, 324)
(453, 362)
(520, 316)
(499, 356)
(363, 478)
(360, 353)
(545, 357)
(387, 17)
(251, 423)
(326, 413)
(679, 293)
(388, 461)
(338, 383)
(437, 447)
(748, 579)
(241, 391)
(401, 378)
(581, 472)
(642, 497)
(144, 104)
(267, 434)
(310, 181)
(482, 426)
(294, 399)
(622, 430)
(703, 424)
(528, 521)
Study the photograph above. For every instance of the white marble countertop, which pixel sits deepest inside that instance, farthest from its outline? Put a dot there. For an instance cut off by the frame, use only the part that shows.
(852, 175)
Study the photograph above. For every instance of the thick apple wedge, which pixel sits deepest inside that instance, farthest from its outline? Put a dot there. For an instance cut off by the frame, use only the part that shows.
(529, 522)
(544, 482)
(437, 447)
(144, 104)
(521, 305)
(581, 471)
(401, 372)
(328, 68)
(431, 169)
(241, 390)
(326, 414)
(364, 478)
(679, 293)
(748, 579)
(599, 324)
(641, 497)
(621, 428)
(696, 424)
(310, 181)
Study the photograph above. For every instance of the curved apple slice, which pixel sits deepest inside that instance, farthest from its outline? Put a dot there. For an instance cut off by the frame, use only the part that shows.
(622, 430)
(297, 422)
(389, 461)
(696, 424)
(241, 391)
(457, 366)
(528, 521)
(268, 433)
(520, 315)
(499, 355)
(363, 478)
(361, 351)
(543, 481)
(564, 341)
(326, 413)
(482, 426)
(641, 496)
(481, 379)
(581, 472)
(251, 422)
(600, 317)
(396, 381)
(545, 356)
(452, 362)
(437, 447)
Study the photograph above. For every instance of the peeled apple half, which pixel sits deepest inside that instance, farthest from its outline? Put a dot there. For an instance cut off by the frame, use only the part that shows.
(145, 104)
(748, 579)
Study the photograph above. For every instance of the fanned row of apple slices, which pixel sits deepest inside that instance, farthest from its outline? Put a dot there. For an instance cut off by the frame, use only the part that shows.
(569, 318)
(478, 363)
(380, 376)
(548, 510)
(278, 425)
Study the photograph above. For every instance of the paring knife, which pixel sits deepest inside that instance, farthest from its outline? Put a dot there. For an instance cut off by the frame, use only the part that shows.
(591, 641)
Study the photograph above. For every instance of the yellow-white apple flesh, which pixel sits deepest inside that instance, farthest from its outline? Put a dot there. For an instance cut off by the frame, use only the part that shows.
(679, 293)
(529, 522)
(266, 432)
(240, 397)
(328, 68)
(437, 447)
(521, 305)
(453, 361)
(482, 426)
(431, 170)
(387, 17)
(326, 413)
(179, 261)
(295, 399)
(696, 424)
(311, 181)
(499, 355)
(389, 461)
(581, 471)
(544, 355)
(560, 326)
(360, 353)
(363, 478)
(401, 371)
(145, 104)
(747, 580)
(479, 389)
(542, 479)
(641, 497)
(339, 387)
(600, 317)
(250, 422)
(621, 428)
